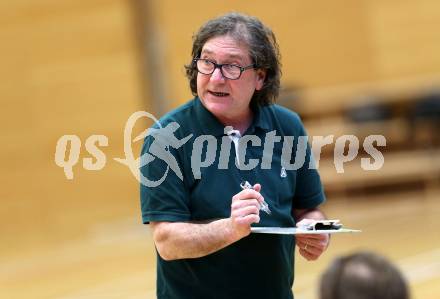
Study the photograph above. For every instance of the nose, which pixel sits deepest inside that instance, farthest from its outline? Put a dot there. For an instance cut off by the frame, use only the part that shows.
(217, 75)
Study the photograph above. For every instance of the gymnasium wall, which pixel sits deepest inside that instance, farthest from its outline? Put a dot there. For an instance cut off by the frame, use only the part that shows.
(83, 67)
(322, 43)
(67, 67)
(70, 67)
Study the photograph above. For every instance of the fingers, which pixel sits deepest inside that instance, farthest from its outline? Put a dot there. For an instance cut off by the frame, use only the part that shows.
(312, 246)
(322, 237)
(240, 203)
(245, 212)
(245, 208)
(311, 252)
(240, 210)
(308, 255)
(249, 194)
(321, 244)
(247, 220)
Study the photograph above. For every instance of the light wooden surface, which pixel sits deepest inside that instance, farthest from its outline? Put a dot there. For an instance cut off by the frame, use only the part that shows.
(324, 45)
(334, 100)
(403, 227)
(116, 259)
(398, 168)
(395, 130)
(72, 67)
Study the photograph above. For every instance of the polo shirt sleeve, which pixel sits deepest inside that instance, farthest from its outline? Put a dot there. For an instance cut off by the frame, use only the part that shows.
(309, 192)
(169, 200)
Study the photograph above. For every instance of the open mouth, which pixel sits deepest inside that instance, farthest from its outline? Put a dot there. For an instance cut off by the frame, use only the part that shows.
(219, 94)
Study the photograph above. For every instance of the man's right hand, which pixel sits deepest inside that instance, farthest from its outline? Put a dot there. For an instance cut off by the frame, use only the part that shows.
(245, 210)
(180, 240)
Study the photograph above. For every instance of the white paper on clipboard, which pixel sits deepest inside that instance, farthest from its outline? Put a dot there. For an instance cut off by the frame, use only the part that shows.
(297, 231)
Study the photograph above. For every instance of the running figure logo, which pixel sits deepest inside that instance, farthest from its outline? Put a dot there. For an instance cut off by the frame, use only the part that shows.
(159, 148)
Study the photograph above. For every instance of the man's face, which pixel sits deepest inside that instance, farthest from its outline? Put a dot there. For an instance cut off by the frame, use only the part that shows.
(228, 99)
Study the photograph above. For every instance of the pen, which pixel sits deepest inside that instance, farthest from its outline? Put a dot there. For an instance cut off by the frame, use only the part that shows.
(263, 206)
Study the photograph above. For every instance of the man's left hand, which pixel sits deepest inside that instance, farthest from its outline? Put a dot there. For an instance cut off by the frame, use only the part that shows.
(311, 246)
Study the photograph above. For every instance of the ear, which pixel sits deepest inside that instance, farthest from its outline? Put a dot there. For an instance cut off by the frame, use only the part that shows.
(261, 76)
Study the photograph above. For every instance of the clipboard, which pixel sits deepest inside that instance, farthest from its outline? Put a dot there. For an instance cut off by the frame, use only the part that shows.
(297, 231)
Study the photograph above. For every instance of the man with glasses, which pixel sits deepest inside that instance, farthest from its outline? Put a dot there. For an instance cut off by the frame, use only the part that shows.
(229, 71)
(202, 225)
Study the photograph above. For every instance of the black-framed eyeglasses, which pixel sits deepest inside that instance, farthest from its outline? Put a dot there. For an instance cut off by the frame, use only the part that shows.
(229, 71)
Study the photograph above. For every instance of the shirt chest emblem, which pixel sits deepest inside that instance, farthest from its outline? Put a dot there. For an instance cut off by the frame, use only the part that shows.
(283, 172)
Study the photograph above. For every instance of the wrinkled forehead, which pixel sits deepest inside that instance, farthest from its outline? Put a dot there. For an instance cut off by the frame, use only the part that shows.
(227, 46)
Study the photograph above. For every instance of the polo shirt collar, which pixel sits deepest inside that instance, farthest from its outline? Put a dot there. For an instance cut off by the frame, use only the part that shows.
(209, 123)
(261, 119)
(211, 126)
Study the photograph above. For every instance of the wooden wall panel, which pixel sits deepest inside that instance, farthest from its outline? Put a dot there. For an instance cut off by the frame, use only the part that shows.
(68, 67)
(323, 44)
(405, 41)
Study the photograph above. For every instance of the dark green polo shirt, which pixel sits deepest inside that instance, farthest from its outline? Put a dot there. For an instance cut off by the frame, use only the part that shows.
(259, 265)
